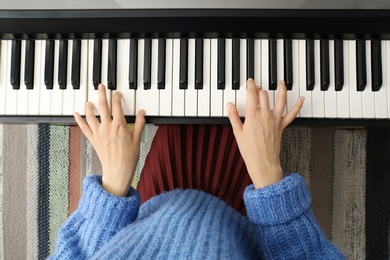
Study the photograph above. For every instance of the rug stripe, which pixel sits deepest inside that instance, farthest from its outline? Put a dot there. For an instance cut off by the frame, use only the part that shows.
(146, 142)
(32, 191)
(378, 194)
(59, 180)
(1, 193)
(44, 190)
(14, 211)
(83, 156)
(295, 154)
(321, 177)
(74, 168)
(349, 183)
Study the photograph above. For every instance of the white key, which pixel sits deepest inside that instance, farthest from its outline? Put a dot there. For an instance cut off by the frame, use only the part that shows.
(191, 93)
(280, 68)
(265, 71)
(92, 93)
(69, 95)
(22, 106)
(355, 96)
(11, 94)
(154, 92)
(368, 96)
(293, 94)
(331, 95)
(257, 59)
(216, 94)
(81, 94)
(381, 98)
(178, 95)
(34, 94)
(306, 110)
(241, 93)
(57, 93)
(141, 99)
(105, 69)
(166, 94)
(343, 95)
(45, 95)
(204, 94)
(229, 94)
(123, 60)
(3, 72)
(318, 100)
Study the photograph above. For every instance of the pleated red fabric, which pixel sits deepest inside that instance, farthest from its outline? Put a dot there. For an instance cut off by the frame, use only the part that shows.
(203, 157)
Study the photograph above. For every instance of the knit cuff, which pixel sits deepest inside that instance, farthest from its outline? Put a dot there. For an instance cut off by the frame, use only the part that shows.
(277, 203)
(108, 210)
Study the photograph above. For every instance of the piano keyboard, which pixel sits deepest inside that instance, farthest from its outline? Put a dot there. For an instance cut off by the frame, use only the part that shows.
(194, 78)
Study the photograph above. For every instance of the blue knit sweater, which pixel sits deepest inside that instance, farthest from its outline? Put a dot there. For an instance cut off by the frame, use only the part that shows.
(191, 224)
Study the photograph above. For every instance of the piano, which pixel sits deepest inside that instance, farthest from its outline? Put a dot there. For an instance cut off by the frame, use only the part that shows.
(182, 61)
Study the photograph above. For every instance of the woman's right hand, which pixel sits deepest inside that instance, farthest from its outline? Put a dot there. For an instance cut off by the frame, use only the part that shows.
(259, 138)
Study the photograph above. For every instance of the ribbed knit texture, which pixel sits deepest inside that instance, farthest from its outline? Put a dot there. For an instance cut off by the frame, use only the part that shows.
(195, 225)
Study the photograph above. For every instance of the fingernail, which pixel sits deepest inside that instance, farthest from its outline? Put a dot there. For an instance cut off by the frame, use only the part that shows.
(250, 79)
(141, 112)
(282, 82)
(303, 99)
(229, 106)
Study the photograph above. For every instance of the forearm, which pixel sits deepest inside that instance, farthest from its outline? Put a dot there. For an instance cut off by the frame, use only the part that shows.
(285, 223)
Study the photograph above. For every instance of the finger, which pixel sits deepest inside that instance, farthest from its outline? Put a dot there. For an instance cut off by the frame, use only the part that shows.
(290, 116)
(117, 109)
(281, 100)
(264, 99)
(139, 125)
(83, 126)
(234, 118)
(104, 110)
(90, 115)
(252, 99)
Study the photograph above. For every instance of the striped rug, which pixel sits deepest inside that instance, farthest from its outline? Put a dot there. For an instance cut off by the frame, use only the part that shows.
(347, 172)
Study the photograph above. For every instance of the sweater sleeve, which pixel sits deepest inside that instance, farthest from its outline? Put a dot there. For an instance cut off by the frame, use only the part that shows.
(285, 223)
(100, 215)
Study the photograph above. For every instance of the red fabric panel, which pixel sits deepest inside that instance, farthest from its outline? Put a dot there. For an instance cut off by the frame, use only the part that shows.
(203, 157)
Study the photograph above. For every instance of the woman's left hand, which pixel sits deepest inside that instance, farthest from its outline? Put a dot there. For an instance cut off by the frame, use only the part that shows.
(118, 149)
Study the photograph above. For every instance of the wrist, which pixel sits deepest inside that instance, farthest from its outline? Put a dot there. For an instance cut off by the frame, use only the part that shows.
(265, 175)
(117, 184)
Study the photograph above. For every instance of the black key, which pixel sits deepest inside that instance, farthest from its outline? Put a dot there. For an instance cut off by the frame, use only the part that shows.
(273, 73)
(339, 64)
(236, 63)
(76, 59)
(324, 56)
(361, 76)
(183, 63)
(161, 64)
(49, 64)
(221, 64)
(97, 63)
(111, 70)
(147, 63)
(63, 64)
(310, 80)
(133, 64)
(15, 64)
(250, 59)
(199, 64)
(288, 64)
(29, 64)
(376, 64)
